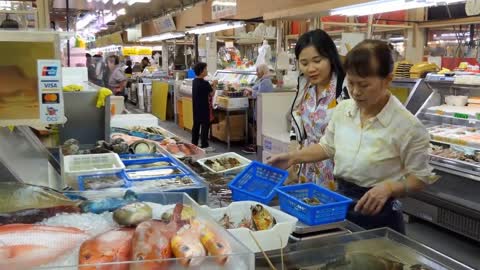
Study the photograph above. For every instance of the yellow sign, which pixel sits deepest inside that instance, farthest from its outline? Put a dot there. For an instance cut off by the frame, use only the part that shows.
(130, 51)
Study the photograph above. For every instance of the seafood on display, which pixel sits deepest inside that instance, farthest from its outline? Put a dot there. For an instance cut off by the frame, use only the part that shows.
(35, 214)
(180, 150)
(108, 204)
(110, 247)
(312, 201)
(151, 241)
(102, 182)
(24, 246)
(148, 165)
(224, 163)
(15, 196)
(262, 219)
(143, 147)
(165, 184)
(215, 244)
(186, 245)
(133, 214)
(152, 173)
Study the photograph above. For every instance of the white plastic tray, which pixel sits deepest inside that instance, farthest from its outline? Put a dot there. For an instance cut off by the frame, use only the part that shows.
(273, 239)
(78, 165)
(243, 161)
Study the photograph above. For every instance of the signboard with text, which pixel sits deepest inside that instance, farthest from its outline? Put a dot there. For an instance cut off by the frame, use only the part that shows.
(164, 24)
(224, 8)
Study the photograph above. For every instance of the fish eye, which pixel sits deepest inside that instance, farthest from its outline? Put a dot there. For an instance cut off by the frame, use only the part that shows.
(184, 248)
(219, 245)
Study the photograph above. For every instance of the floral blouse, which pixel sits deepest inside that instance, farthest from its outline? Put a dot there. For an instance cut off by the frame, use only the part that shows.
(315, 113)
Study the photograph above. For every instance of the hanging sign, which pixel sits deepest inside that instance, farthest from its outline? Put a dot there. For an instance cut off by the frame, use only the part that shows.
(50, 91)
(224, 8)
(164, 24)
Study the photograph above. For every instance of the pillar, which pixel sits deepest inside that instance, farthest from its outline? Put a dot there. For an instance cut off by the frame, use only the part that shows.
(416, 37)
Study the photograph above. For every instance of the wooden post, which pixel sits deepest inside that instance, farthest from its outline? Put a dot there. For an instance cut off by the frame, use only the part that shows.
(42, 17)
(415, 39)
(370, 27)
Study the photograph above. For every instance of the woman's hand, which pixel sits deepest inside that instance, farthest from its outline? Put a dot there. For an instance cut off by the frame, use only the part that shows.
(282, 161)
(373, 201)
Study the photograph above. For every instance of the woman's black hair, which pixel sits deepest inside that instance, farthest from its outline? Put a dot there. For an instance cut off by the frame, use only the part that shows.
(370, 58)
(325, 46)
(199, 68)
(115, 58)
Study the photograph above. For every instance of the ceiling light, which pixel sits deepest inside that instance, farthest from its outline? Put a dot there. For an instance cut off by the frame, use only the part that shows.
(383, 6)
(84, 21)
(121, 12)
(224, 4)
(131, 2)
(215, 27)
(164, 36)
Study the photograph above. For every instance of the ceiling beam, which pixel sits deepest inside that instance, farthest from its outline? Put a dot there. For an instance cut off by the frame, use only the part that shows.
(451, 22)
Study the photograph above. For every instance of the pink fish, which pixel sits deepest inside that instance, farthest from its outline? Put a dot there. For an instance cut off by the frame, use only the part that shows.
(24, 246)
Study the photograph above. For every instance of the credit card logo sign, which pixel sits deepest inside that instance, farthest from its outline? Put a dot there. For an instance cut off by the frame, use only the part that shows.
(50, 85)
(49, 71)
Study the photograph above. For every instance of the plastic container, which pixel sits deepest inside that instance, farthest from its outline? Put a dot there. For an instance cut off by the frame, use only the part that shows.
(456, 100)
(334, 206)
(148, 161)
(143, 157)
(130, 173)
(257, 183)
(240, 256)
(78, 165)
(120, 175)
(272, 239)
(243, 162)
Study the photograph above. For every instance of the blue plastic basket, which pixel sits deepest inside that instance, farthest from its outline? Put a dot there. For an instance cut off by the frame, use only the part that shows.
(81, 179)
(334, 206)
(257, 182)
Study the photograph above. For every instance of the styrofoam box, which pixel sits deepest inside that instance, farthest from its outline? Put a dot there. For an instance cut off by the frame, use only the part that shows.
(272, 239)
(243, 161)
(275, 145)
(78, 165)
(232, 103)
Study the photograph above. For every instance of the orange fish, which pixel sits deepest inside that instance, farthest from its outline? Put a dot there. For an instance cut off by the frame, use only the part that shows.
(24, 246)
(110, 247)
(173, 148)
(186, 245)
(215, 244)
(151, 241)
(185, 149)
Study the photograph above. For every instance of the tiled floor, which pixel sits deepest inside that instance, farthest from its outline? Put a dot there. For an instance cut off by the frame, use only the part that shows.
(449, 243)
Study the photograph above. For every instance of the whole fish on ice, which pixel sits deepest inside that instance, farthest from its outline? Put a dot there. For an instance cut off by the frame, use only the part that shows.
(15, 196)
(35, 215)
(110, 247)
(152, 241)
(186, 244)
(24, 246)
(108, 204)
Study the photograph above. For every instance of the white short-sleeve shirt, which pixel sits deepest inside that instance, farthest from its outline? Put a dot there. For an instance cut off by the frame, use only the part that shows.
(390, 146)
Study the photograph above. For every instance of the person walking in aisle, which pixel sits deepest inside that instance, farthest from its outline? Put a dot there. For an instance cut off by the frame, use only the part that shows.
(201, 92)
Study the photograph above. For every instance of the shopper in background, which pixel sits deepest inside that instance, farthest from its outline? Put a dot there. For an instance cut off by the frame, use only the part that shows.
(100, 70)
(263, 85)
(90, 67)
(117, 79)
(145, 63)
(380, 149)
(128, 69)
(320, 90)
(201, 92)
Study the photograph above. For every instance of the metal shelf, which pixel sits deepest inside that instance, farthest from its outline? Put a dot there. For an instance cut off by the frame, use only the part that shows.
(455, 144)
(471, 120)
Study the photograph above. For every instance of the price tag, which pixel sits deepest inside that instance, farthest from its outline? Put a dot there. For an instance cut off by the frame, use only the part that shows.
(439, 112)
(477, 116)
(461, 115)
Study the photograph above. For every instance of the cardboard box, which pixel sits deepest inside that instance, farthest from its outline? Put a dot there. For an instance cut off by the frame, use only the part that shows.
(237, 129)
(232, 103)
(275, 145)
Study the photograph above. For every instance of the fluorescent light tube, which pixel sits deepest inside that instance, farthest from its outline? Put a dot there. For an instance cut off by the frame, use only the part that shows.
(164, 36)
(131, 2)
(215, 27)
(383, 6)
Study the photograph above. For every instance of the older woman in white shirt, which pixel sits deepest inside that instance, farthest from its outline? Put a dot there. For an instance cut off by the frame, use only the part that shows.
(379, 148)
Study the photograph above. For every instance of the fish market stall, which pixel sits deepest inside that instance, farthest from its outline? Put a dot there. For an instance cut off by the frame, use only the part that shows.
(136, 231)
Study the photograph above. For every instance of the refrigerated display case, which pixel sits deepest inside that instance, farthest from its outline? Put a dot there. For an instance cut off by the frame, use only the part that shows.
(452, 202)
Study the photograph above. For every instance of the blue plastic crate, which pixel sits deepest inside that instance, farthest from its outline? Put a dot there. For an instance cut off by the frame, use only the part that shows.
(334, 206)
(257, 182)
(81, 179)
